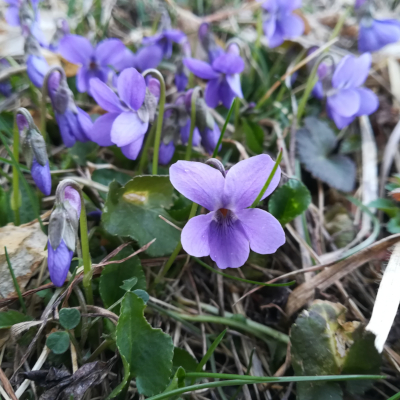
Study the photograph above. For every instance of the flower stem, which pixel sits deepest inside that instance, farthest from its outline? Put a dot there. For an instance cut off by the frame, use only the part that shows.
(87, 264)
(176, 251)
(16, 195)
(157, 139)
(228, 117)
(195, 94)
(269, 180)
(145, 151)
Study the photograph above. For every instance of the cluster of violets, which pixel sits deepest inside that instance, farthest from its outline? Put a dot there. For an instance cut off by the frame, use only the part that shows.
(116, 79)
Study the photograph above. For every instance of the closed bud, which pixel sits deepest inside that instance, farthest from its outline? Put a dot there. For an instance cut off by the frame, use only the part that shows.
(204, 118)
(63, 231)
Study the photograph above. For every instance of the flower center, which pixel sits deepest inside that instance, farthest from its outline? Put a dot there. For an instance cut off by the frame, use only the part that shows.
(93, 65)
(224, 211)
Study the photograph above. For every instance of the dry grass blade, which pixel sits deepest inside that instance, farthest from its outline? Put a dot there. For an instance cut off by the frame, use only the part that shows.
(333, 272)
(7, 385)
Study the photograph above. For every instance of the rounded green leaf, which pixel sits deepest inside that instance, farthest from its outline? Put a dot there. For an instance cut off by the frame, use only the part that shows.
(289, 201)
(134, 209)
(69, 318)
(58, 342)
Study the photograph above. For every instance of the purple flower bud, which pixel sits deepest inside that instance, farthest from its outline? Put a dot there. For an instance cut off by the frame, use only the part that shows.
(181, 76)
(41, 176)
(34, 148)
(63, 228)
(58, 262)
(166, 153)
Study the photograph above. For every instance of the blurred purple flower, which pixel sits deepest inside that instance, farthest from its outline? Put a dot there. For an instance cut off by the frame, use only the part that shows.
(182, 73)
(74, 123)
(63, 228)
(5, 86)
(222, 75)
(128, 116)
(375, 34)
(94, 62)
(281, 23)
(230, 229)
(346, 99)
(208, 42)
(35, 154)
(36, 64)
(158, 46)
(176, 126)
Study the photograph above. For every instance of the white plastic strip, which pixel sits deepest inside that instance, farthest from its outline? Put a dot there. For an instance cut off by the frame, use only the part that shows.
(387, 301)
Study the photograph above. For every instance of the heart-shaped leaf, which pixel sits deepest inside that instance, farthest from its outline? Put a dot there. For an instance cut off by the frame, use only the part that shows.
(69, 318)
(289, 201)
(58, 342)
(133, 210)
(148, 351)
(114, 275)
(316, 146)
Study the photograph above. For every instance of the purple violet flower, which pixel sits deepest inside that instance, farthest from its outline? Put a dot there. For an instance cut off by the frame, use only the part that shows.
(63, 227)
(346, 99)
(128, 116)
(222, 75)
(94, 62)
(230, 229)
(74, 123)
(158, 46)
(34, 148)
(36, 65)
(208, 42)
(375, 34)
(176, 125)
(281, 23)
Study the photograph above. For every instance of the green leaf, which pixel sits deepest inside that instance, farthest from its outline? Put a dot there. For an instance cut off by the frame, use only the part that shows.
(129, 284)
(289, 201)
(58, 342)
(317, 148)
(12, 317)
(210, 351)
(114, 275)
(177, 381)
(133, 210)
(183, 359)
(362, 358)
(254, 136)
(142, 294)
(393, 225)
(148, 351)
(106, 176)
(122, 385)
(81, 152)
(319, 391)
(386, 205)
(69, 318)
